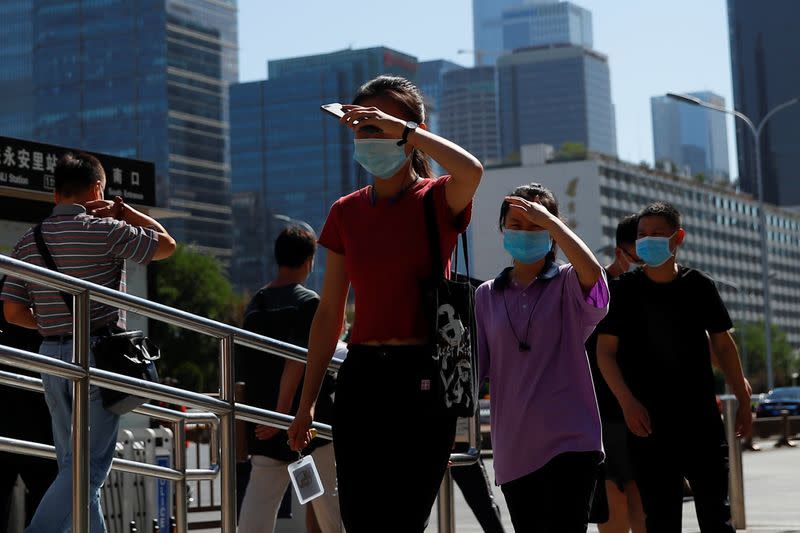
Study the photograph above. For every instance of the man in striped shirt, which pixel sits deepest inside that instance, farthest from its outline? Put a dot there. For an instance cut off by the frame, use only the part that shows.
(89, 238)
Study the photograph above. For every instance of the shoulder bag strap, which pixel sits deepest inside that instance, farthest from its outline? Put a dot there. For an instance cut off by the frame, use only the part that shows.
(48, 260)
(434, 241)
(433, 235)
(465, 246)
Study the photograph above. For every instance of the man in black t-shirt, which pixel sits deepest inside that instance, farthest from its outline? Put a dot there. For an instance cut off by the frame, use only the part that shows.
(653, 350)
(283, 310)
(624, 505)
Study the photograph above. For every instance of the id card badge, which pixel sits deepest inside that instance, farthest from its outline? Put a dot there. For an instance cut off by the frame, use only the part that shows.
(305, 479)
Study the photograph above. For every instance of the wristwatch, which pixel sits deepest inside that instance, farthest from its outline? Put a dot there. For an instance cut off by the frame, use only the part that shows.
(410, 126)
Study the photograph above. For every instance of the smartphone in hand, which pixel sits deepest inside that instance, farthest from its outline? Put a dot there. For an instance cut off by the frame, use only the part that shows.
(337, 111)
(333, 109)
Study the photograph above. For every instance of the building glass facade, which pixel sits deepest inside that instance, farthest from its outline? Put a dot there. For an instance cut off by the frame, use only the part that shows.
(145, 79)
(691, 137)
(552, 95)
(487, 37)
(16, 68)
(549, 23)
(469, 112)
(298, 172)
(430, 80)
(764, 42)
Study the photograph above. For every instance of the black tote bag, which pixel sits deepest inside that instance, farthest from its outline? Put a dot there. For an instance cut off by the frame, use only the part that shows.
(450, 312)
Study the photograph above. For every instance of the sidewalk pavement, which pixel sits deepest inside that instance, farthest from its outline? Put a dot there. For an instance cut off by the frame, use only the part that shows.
(772, 496)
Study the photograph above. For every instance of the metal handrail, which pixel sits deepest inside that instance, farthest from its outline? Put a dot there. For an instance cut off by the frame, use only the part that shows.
(225, 407)
(33, 384)
(155, 310)
(82, 376)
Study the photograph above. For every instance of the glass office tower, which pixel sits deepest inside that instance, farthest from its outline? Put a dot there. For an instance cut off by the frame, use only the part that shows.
(764, 42)
(552, 95)
(691, 137)
(143, 78)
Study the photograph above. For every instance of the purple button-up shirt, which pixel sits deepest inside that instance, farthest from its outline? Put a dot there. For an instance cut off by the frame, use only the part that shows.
(543, 401)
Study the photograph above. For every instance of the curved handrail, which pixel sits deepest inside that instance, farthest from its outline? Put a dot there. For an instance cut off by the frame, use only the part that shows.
(144, 307)
(225, 407)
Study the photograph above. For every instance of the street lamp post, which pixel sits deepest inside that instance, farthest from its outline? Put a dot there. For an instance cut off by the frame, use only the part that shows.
(756, 130)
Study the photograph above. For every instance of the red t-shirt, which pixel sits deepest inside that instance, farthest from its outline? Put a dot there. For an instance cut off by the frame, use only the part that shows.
(387, 257)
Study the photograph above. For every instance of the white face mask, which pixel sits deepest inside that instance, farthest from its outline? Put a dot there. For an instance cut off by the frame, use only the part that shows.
(380, 157)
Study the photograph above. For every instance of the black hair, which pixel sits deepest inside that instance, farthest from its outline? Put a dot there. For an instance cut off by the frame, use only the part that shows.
(77, 173)
(407, 95)
(294, 246)
(627, 230)
(664, 210)
(533, 192)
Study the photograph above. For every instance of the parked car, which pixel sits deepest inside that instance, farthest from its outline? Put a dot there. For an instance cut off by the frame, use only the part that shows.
(780, 399)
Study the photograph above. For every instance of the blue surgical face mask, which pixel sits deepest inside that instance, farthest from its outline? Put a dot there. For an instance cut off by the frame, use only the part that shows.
(654, 251)
(527, 246)
(380, 157)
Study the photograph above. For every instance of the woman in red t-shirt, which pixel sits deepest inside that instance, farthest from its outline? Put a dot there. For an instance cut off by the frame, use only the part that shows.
(377, 242)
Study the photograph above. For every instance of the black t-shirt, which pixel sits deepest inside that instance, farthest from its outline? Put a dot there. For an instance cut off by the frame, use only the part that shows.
(285, 314)
(663, 350)
(607, 403)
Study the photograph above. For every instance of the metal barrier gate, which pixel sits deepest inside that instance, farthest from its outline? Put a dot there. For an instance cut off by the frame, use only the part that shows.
(221, 411)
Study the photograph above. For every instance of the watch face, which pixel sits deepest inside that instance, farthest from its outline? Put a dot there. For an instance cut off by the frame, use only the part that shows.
(412, 125)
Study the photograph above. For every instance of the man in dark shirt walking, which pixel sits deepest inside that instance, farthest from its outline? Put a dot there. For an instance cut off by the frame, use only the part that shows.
(624, 504)
(654, 352)
(283, 310)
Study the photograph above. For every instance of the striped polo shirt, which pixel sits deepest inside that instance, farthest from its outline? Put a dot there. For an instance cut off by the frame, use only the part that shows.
(85, 247)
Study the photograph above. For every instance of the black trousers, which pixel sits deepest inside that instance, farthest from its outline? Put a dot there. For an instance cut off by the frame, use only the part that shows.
(27, 418)
(391, 444)
(663, 461)
(477, 491)
(557, 497)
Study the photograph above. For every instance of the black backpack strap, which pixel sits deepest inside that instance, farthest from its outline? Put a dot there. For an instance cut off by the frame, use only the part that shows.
(437, 265)
(48, 260)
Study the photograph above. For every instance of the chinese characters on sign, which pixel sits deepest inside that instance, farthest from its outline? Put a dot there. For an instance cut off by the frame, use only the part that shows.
(29, 165)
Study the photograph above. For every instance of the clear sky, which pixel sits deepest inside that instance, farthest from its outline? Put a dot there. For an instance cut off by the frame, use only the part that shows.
(654, 46)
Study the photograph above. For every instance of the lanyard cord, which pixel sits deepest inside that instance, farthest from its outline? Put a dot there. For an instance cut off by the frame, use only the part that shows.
(523, 344)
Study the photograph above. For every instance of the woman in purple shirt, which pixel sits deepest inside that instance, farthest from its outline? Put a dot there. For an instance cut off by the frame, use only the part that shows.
(533, 321)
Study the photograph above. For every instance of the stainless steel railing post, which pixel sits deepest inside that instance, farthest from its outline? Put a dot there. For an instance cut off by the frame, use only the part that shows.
(80, 414)
(736, 479)
(181, 507)
(446, 505)
(227, 430)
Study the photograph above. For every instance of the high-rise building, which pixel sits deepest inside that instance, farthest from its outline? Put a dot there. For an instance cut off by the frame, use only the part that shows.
(296, 159)
(487, 33)
(430, 80)
(555, 95)
(691, 137)
(16, 68)
(468, 115)
(145, 79)
(721, 224)
(764, 41)
(545, 23)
